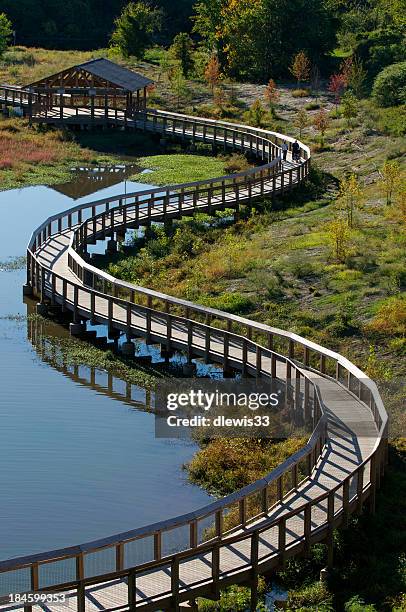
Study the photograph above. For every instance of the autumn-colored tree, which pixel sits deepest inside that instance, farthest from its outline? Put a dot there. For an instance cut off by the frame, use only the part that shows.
(271, 95)
(300, 67)
(301, 120)
(350, 197)
(336, 86)
(321, 122)
(219, 98)
(390, 175)
(339, 236)
(212, 72)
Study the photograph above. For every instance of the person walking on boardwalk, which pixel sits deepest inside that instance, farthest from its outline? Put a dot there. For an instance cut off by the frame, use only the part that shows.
(285, 150)
(295, 151)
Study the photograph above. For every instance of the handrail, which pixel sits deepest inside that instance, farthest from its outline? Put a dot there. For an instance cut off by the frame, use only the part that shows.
(114, 217)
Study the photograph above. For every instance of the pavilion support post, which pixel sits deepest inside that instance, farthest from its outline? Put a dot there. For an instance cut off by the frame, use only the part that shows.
(30, 108)
(106, 107)
(92, 107)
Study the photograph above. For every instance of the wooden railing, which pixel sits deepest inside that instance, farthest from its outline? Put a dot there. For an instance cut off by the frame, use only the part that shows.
(255, 348)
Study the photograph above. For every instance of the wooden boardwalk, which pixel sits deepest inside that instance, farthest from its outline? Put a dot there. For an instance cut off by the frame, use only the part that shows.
(158, 567)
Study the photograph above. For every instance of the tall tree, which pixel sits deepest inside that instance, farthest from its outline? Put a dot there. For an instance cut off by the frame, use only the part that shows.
(135, 27)
(182, 49)
(257, 38)
(6, 32)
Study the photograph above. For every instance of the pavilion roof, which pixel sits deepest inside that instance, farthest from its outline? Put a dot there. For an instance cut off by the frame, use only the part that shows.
(105, 71)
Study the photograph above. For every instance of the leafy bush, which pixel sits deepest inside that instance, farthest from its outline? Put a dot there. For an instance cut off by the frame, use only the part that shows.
(236, 303)
(312, 106)
(312, 597)
(390, 85)
(390, 319)
(300, 93)
(233, 599)
(357, 604)
(228, 464)
(235, 163)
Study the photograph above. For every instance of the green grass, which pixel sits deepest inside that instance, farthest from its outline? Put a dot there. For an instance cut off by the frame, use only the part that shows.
(179, 168)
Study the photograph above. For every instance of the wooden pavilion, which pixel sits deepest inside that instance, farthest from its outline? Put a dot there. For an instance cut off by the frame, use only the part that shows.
(95, 90)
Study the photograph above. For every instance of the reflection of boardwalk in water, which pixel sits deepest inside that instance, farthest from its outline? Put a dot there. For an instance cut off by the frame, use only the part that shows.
(88, 376)
(86, 181)
(299, 503)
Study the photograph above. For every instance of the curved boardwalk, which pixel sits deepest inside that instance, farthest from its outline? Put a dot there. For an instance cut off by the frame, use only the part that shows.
(158, 567)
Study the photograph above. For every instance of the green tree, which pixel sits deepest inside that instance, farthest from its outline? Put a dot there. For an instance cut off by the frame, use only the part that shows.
(391, 179)
(182, 50)
(135, 27)
(349, 105)
(256, 39)
(301, 120)
(179, 87)
(6, 32)
(350, 197)
(256, 114)
(339, 237)
(355, 75)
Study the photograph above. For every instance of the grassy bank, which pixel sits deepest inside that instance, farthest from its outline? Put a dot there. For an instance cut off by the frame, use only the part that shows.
(32, 156)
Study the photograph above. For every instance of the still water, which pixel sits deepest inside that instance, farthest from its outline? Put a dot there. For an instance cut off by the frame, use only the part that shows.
(78, 456)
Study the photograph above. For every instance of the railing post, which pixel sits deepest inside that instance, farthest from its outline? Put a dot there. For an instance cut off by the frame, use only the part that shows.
(242, 510)
(330, 521)
(193, 534)
(175, 584)
(360, 488)
(119, 556)
(132, 590)
(346, 500)
(282, 540)
(307, 526)
(215, 569)
(80, 575)
(157, 545)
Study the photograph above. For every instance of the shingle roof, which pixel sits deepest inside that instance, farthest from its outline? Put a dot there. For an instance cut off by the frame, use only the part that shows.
(116, 74)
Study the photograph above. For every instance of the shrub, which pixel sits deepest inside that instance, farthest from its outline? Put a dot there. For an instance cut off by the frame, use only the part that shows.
(315, 594)
(390, 318)
(312, 106)
(235, 303)
(300, 93)
(390, 85)
(357, 604)
(236, 163)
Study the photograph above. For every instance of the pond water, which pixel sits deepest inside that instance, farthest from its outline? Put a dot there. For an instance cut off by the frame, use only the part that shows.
(79, 458)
